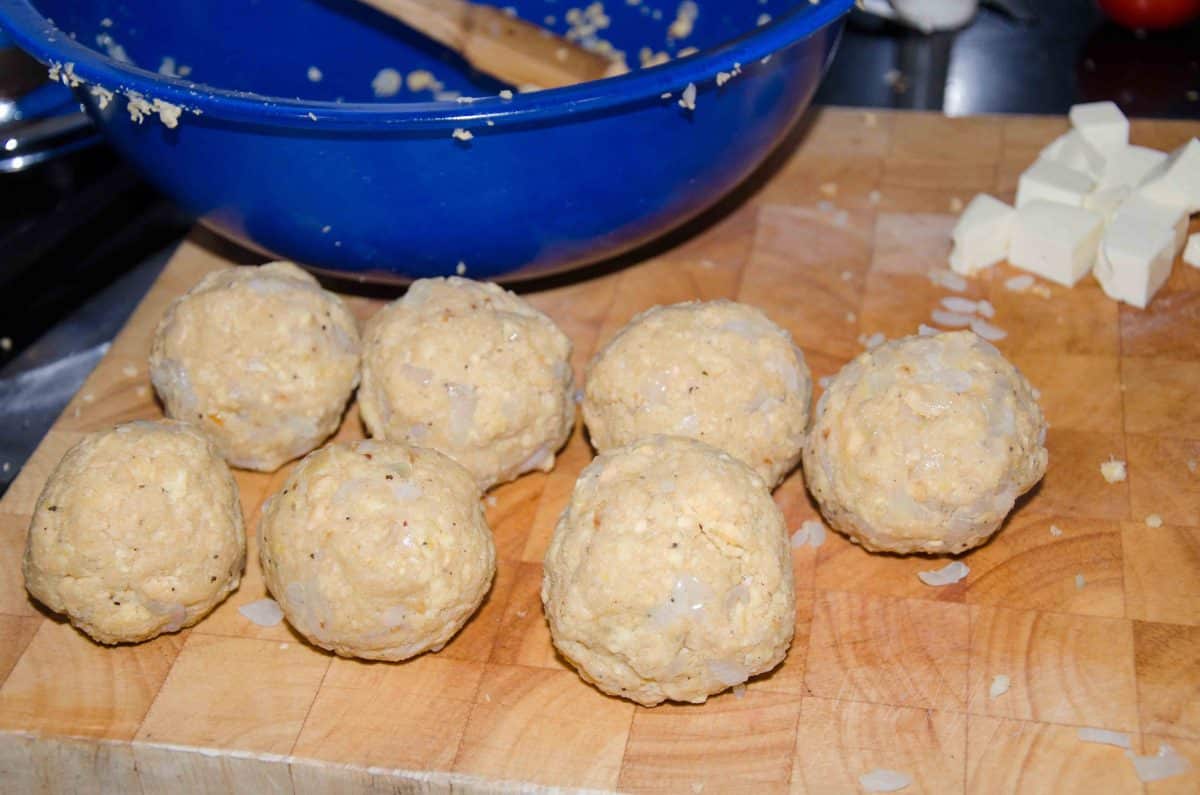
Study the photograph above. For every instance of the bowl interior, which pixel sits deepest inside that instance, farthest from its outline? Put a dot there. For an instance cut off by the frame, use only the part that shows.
(341, 50)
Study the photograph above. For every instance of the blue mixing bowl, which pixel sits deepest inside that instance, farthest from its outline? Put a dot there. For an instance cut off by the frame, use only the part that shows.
(280, 123)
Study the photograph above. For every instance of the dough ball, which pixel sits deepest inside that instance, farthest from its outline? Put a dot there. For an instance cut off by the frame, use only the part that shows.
(137, 532)
(261, 358)
(472, 370)
(377, 549)
(923, 444)
(669, 575)
(720, 372)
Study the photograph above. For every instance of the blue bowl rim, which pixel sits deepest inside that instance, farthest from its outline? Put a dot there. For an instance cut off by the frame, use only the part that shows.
(38, 36)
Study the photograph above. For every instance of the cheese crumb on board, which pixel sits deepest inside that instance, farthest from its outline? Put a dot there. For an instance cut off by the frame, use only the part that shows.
(1103, 736)
(1102, 124)
(1113, 470)
(314, 74)
(1080, 582)
(999, 686)
(1055, 530)
(1048, 180)
(460, 134)
(981, 236)
(811, 533)
(1154, 520)
(1191, 251)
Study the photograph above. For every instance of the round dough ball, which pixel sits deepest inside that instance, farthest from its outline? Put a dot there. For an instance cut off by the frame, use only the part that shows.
(669, 575)
(377, 549)
(137, 532)
(720, 372)
(261, 358)
(472, 370)
(924, 444)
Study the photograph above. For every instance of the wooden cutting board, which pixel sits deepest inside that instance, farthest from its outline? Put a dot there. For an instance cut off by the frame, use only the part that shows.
(885, 672)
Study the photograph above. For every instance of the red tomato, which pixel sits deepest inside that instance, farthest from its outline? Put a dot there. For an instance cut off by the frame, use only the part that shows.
(1151, 14)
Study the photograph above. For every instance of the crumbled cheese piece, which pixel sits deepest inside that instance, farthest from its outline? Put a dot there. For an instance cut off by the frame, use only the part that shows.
(129, 371)
(137, 106)
(688, 100)
(685, 20)
(460, 268)
(1055, 530)
(686, 51)
(506, 94)
(999, 686)
(387, 82)
(1079, 582)
(312, 116)
(1102, 124)
(1128, 166)
(1113, 470)
(981, 235)
(829, 189)
(168, 113)
(1154, 520)
(1176, 180)
(723, 78)
(421, 80)
(113, 50)
(763, 19)
(952, 572)
(460, 134)
(874, 197)
(1048, 180)
(103, 96)
(1041, 291)
(314, 74)
(6, 344)
(106, 23)
(1055, 241)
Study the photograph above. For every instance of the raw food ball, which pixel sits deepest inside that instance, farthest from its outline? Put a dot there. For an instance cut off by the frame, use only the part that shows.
(377, 549)
(720, 372)
(137, 532)
(261, 358)
(472, 370)
(669, 575)
(923, 444)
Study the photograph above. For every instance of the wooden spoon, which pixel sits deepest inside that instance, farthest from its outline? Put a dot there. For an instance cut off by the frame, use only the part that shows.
(511, 49)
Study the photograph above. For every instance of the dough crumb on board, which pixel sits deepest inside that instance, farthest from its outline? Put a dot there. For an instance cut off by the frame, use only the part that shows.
(1113, 470)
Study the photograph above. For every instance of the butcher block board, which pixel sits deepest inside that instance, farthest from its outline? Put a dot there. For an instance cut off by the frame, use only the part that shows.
(884, 672)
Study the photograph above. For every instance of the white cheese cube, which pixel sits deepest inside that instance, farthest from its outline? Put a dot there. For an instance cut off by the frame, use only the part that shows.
(981, 235)
(1144, 211)
(1128, 166)
(1047, 180)
(1107, 201)
(1177, 179)
(1102, 124)
(1055, 241)
(1072, 150)
(1191, 252)
(1135, 259)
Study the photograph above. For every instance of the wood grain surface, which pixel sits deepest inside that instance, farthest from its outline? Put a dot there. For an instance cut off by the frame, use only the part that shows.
(885, 672)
